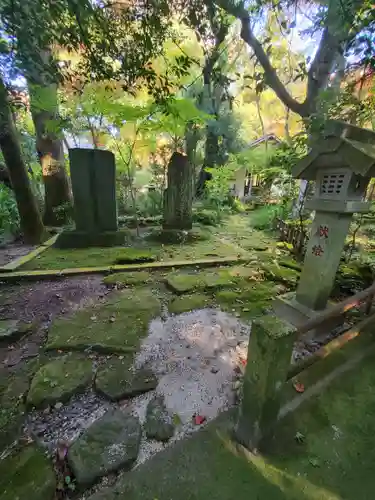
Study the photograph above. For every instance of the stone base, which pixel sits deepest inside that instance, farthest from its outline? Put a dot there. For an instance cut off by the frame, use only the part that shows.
(287, 307)
(81, 239)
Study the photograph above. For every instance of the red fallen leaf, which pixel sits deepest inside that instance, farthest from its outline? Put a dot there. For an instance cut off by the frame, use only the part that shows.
(243, 361)
(199, 419)
(62, 450)
(299, 387)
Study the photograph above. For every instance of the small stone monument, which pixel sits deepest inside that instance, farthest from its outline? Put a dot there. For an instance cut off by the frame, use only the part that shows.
(178, 197)
(93, 176)
(342, 163)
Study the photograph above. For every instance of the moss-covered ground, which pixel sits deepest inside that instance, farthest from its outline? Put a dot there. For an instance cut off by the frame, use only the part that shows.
(58, 380)
(333, 460)
(114, 326)
(142, 250)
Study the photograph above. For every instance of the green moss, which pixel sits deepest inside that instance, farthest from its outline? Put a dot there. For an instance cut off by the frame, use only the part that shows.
(12, 409)
(12, 330)
(275, 272)
(248, 301)
(199, 248)
(182, 282)
(116, 380)
(13, 388)
(207, 217)
(55, 258)
(27, 475)
(353, 276)
(173, 236)
(125, 279)
(285, 245)
(335, 461)
(116, 326)
(189, 303)
(133, 255)
(59, 380)
(291, 264)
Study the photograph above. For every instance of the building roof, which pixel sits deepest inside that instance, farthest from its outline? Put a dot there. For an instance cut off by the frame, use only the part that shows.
(341, 145)
(264, 138)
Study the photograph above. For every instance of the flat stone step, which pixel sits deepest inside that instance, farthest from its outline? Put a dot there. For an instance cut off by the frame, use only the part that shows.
(59, 380)
(116, 380)
(109, 444)
(27, 475)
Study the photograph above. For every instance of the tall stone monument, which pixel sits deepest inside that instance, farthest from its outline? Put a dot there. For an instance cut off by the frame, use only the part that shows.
(178, 197)
(341, 163)
(93, 176)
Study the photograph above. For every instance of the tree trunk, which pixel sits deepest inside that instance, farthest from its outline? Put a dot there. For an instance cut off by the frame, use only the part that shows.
(31, 222)
(44, 110)
(210, 160)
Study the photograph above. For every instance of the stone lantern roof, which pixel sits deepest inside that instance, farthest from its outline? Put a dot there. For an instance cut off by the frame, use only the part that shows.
(341, 146)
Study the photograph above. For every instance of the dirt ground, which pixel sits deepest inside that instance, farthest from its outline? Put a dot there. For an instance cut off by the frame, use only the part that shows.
(11, 251)
(42, 301)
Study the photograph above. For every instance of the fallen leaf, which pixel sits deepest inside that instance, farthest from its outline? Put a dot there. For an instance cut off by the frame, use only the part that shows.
(199, 419)
(62, 450)
(176, 419)
(299, 437)
(314, 462)
(299, 387)
(93, 318)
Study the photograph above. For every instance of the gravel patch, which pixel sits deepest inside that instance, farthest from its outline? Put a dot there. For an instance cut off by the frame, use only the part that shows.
(64, 423)
(194, 356)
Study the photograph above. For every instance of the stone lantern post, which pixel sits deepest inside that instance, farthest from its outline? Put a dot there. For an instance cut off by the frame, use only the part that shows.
(341, 163)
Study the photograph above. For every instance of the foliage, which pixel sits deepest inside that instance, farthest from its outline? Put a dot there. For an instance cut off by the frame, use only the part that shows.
(206, 216)
(218, 185)
(9, 218)
(263, 217)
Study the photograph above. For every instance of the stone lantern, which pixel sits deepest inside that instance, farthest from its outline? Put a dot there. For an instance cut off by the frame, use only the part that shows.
(341, 163)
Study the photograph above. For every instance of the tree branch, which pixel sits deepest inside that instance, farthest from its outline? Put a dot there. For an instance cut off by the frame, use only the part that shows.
(319, 72)
(238, 10)
(322, 65)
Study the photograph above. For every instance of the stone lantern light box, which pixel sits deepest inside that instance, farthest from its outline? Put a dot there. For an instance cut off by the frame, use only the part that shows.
(341, 163)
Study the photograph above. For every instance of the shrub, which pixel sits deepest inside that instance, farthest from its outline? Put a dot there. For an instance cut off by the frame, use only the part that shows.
(263, 217)
(207, 217)
(9, 218)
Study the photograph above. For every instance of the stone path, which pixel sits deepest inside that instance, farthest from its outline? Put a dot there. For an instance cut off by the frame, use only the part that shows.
(123, 378)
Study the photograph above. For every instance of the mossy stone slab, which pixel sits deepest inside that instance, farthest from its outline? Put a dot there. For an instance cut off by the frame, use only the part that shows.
(159, 424)
(281, 274)
(109, 444)
(116, 380)
(209, 280)
(181, 283)
(248, 301)
(59, 380)
(12, 329)
(27, 475)
(114, 327)
(12, 410)
(127, 279)
(133, 255)
(13, 387)
(188, 303)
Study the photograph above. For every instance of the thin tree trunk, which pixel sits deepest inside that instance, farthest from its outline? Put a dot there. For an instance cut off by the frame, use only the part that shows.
(44, 110)
(31, 222)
